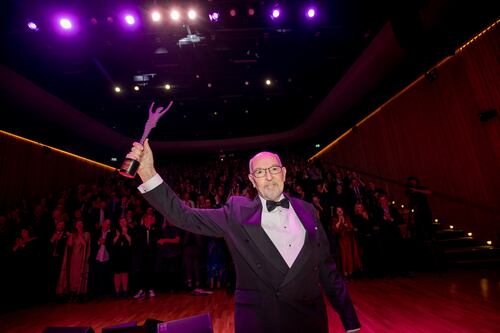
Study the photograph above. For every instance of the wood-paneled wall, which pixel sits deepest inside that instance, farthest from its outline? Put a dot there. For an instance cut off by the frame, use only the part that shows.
(433, 131)
(29, 170)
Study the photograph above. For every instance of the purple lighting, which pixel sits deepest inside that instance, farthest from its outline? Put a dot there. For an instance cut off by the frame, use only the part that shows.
(275, 14)
(214, 17)
(65, 23)
(32, 26)
(130, 19)
(311, 12)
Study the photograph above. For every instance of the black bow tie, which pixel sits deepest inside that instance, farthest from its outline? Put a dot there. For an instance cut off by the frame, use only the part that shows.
(273, 204)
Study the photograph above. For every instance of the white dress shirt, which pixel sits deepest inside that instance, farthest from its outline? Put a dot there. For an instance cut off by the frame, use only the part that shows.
(285, 230)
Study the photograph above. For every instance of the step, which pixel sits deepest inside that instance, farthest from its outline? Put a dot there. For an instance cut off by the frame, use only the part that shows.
(465, 241)
(449, 233)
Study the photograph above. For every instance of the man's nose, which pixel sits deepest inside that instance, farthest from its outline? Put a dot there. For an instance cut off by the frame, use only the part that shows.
(269, 176)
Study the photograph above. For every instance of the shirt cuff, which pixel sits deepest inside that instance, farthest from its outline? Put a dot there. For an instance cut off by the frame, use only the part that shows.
(356, 330)
(149, 185)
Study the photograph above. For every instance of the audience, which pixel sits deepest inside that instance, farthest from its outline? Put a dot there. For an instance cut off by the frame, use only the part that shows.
(104, 232)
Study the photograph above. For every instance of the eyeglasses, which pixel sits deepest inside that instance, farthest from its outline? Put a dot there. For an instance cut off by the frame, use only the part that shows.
(259, 173)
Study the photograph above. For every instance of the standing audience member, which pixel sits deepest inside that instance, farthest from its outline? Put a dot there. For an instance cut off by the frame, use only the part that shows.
(57, 247)
(75, 266)
(102, 269)
(390, 236)
(146, 242)
(348, 253)
(169, 257)
(121, 257)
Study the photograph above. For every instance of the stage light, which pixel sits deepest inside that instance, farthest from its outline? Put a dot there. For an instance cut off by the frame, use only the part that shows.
(247, 83)
(93, 21)
(168, 86)
(109, 19)
(436, 220)
(451, 227)
(275, 13)
(156, 16)
(175, 15)
(489, 242)
(129, 19)
(136, 88)
(32, 25)
(232, 12)
(192, 14)
(65, 23)
(268, 82)
(209, 85)
(214, 17)
(402, 206)
(469, 234)
(251, 12)
(310, 13)
(118, 89)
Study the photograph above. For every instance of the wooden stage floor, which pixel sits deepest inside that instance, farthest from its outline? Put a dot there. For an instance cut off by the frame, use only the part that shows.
(454, 301)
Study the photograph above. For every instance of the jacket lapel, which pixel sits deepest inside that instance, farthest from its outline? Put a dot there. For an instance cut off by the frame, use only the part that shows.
(252, 226)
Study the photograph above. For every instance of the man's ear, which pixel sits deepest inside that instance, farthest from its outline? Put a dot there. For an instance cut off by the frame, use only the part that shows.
(252, 180)
(283, 169)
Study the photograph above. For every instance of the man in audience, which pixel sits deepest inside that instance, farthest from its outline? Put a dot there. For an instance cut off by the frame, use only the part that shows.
(279, 248)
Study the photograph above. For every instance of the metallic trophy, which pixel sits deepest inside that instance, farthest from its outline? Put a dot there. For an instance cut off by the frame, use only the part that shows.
(129, 166)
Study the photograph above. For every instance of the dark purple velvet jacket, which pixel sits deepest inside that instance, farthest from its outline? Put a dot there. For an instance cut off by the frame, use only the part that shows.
(270, 296)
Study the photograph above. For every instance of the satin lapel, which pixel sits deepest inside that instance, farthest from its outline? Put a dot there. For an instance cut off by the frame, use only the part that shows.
(252, 226)
(306, 252)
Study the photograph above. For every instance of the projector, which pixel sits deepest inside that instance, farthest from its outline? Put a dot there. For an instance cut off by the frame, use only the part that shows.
(190, 40)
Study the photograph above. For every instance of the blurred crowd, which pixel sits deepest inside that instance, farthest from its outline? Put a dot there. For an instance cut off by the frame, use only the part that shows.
(102, 238)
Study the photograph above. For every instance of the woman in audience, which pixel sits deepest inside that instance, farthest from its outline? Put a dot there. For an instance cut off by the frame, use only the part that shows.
(121, 257)
(348, 254)
(75, 268)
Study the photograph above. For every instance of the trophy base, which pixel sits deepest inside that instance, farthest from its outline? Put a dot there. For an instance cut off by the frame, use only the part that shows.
(129, 168)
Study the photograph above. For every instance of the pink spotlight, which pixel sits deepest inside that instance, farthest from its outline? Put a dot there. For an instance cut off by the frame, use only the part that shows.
(65, 23)
(32, 25)
(275, 13)
(214, 17)
(251, 12)
(175, 15)
(192, 14)
(311, 12)
(130, 19)
(156, 16)
(232, 12)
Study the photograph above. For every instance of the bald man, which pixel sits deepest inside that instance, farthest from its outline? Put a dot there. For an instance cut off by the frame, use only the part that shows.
(280, 251)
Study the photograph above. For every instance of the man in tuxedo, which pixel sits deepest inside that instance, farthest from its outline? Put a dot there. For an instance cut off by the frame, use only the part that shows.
(280, 250)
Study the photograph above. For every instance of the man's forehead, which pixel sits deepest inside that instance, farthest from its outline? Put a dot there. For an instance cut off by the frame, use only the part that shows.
(264, 157)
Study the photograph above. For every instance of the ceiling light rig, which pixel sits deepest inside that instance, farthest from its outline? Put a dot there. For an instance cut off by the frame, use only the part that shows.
(131, 19)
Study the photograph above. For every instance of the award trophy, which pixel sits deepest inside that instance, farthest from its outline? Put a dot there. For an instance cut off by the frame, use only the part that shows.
(129, 166)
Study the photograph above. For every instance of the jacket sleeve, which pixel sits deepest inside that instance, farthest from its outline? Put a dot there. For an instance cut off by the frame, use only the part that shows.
(208, 222)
